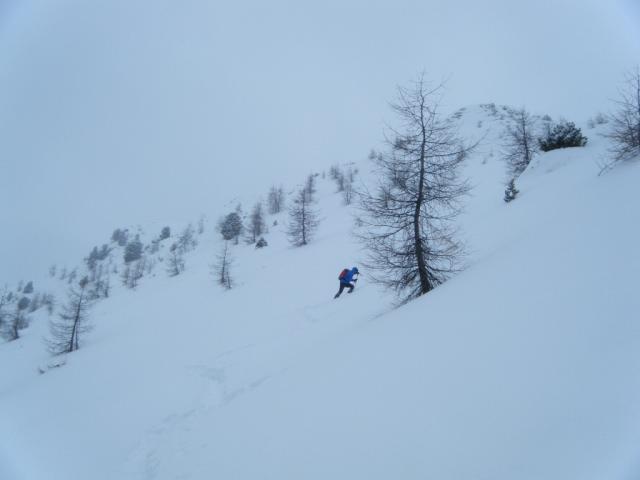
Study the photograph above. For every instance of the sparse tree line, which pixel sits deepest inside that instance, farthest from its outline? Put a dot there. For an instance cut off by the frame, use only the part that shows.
(623, 132)
(16, 307)
(302, 218)
(85, 289)
(406, 222)
(522, 142)
(127, 259)
(345, 180)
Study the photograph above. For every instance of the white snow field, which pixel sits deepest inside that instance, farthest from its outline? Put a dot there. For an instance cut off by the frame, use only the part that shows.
(524, 366)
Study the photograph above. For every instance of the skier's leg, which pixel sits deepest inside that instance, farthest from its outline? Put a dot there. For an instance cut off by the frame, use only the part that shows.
(339, 291)
(351, 287)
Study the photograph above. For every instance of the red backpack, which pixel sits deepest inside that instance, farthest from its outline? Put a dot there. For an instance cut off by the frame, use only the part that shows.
(343, 274)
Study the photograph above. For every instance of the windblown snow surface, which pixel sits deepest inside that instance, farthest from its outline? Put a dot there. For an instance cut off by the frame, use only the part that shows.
(524, 366)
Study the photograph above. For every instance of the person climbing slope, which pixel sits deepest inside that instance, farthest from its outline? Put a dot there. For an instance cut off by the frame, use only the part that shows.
(345, 277)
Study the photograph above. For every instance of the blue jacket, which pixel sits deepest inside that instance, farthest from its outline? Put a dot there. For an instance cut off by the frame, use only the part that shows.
(349, 276)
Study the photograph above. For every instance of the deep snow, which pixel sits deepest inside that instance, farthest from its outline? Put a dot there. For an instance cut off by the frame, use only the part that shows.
(523, 366)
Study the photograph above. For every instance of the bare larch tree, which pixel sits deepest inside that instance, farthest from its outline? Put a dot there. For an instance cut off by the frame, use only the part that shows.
(303, 219)
(405, 223)
(133, 272)
(256, 226)
(5, 302)
(175, 262)
(520, 142)
(275, 200)
(348, 190)
(624, 131)
(187, 239)
(223, 267)
(310, 187)
(72, 321)
(18, 319)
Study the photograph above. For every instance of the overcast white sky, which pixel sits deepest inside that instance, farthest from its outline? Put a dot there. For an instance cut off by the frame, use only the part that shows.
(118, 112)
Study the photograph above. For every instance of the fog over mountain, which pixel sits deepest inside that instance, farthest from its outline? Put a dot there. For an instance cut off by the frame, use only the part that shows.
(118, 112)
(319, 240)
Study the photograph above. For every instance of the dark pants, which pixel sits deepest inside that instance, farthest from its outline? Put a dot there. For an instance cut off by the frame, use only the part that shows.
(343, 286)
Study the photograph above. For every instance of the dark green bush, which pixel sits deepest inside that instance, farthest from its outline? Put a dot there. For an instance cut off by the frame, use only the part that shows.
(562, 135)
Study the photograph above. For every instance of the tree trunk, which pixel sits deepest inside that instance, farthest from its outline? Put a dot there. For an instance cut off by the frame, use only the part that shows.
(425, 285)
(303, 222)
(73, 344)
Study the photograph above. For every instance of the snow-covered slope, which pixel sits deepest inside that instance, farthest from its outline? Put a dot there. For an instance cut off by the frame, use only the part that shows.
(119, 111)
(523, 366)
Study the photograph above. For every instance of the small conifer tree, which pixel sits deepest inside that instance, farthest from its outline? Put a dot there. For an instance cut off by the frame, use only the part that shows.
(261, 243)
(231, 227)
(133, 250)
(511, 192)
(562, 135)
(164, 233)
